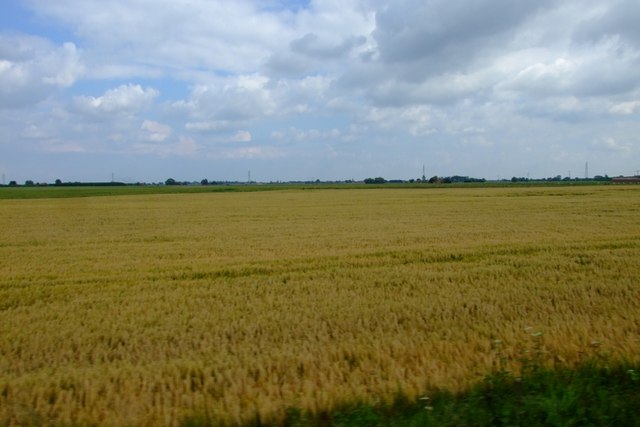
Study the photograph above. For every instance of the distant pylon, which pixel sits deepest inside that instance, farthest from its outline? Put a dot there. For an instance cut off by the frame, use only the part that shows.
(586, 170)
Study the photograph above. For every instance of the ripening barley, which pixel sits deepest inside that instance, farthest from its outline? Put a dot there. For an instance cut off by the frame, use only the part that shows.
(149, 309)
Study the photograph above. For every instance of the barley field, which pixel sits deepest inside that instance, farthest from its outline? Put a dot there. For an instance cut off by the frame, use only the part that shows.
(147, 309)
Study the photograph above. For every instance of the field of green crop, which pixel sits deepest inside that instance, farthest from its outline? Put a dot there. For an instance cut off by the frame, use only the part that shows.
(149, 308)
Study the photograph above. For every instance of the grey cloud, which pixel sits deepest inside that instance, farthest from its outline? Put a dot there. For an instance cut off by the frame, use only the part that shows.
(309, 54)
(439, 90)
(620, 18)
(438, 53)
(313, 46)
(601, 71)
(411, 30)
(288, 64)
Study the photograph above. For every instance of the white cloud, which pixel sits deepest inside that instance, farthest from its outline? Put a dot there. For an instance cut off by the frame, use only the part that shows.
(611, 144)
(416, 120)
(31, 68)
(295, 135)
(241, 136)
(381, 83)
(208, 126)
(156, 132)
(252, 152)
(57, 146)
(235, 99)
(625, 108)
(223, 35)
(125, 99)
(184, 147)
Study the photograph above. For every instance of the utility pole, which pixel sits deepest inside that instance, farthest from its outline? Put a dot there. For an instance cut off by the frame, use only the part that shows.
(586, 170)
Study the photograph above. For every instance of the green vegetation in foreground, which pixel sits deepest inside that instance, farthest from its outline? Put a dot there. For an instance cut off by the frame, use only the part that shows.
(66, 191)
(591, 394)
(588, 395)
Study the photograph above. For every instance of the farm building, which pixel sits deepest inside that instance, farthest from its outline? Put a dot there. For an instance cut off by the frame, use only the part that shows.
(626, 180)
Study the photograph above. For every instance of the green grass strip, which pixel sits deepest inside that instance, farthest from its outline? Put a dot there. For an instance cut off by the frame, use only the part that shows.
(589, 395)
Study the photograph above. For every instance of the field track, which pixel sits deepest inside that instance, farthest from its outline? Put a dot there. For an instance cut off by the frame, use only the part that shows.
(146, 309)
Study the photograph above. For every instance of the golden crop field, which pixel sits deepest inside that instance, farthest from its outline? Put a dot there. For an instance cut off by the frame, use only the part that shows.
(144, 310)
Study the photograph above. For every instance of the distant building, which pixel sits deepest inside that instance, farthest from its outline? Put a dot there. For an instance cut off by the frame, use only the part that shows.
(626, 180)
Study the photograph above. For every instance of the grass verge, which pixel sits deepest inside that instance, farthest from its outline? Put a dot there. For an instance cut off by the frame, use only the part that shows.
(589, 394)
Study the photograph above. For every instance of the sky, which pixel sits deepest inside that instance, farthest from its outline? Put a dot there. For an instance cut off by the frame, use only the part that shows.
(145, 90)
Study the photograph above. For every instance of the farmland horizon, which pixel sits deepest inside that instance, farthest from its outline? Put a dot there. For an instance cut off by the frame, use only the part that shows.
(446, 179)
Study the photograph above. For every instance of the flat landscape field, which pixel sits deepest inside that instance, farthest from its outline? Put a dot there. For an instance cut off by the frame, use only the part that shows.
(148, 309)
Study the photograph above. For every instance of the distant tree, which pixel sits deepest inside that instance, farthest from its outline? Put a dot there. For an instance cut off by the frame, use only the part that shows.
(12, 183)
(378, 180)
(434, 180)
(58, 182)
(29, 183)
(204, 182)
(170, 181)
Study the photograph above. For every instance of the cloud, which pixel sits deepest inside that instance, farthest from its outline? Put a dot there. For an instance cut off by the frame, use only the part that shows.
(380, 83)
(208, 126)
(31, 68)
(238, 101)
(241, 136)
(124, 99)
(235, 99)
(295, 135)
(613, 18)
(252, 152)
(184, 147)
(605, 69)
(625, 108)
(313, 46)
(611, 144)
(154, 131)
(57, 146)
(214, 35)
(449, 33)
